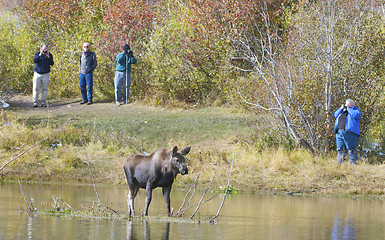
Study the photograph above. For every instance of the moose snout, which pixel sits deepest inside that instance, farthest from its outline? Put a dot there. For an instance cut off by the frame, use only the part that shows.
(184, 171)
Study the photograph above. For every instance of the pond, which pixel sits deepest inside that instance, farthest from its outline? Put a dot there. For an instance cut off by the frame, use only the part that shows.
(244, 216)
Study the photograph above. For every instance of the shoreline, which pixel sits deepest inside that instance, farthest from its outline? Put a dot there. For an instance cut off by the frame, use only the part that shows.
(105, 135)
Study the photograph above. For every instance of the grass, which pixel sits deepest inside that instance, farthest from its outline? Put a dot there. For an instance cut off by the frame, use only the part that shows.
(105, 135)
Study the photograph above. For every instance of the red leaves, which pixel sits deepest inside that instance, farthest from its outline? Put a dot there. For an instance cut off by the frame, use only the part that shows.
(127, 20)
(62, 13)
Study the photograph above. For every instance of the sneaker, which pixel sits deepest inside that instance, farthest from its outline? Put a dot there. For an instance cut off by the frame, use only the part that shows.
(89, 103)
(83, 102)
(43, 105)
(118, 103)
(35, 105)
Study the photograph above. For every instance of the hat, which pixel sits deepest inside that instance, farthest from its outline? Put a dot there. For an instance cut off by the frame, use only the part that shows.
(126, 47)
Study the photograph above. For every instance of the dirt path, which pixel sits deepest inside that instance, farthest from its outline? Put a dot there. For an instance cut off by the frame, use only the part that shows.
(24, 103)
(58, 110)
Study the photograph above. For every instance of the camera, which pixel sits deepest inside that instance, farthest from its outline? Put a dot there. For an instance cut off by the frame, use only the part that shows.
(128, 52)
(45, 50)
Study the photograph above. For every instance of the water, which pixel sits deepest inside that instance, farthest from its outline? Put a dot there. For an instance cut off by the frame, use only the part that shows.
(244, 216)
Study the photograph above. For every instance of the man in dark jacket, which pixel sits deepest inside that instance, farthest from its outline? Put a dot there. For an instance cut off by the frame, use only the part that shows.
(43, 60)
(88, 64)
(347, 129)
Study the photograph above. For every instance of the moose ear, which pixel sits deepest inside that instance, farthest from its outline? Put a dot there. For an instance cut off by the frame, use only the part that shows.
(174, 150)
(185, 151)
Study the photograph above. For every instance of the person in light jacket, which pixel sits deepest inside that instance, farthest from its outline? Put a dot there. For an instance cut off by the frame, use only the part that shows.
(347, 129)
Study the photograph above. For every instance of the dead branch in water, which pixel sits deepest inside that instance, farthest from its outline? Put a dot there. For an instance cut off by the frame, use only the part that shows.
(104, 205)
(93, 183)
(92, 176)
(193, 187)
(29, 204)
(201, 200)
(56, 130)
(226, 191)
(57, 205)
(205, 201)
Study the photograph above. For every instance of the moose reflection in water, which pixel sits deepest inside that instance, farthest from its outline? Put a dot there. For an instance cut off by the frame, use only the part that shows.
(158, 169)
(131, 234)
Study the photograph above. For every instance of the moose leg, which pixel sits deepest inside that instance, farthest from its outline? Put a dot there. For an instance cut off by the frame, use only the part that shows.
(130, 199)
(148, 198)
(166, 194)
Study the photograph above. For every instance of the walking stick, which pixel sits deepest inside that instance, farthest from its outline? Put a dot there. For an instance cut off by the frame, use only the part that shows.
(126, 80)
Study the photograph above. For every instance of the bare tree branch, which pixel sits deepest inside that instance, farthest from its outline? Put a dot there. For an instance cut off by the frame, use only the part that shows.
(204, 194)
(193, 187)
(55, 131)
(89, 168)
(30, 206)
(226, 191)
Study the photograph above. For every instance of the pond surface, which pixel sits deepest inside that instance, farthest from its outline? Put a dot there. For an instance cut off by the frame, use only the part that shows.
(244, 216)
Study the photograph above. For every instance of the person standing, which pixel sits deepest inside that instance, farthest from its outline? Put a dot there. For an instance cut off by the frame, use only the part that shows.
(347, 129)
(123, 74)
(88, 64)
(43, 61)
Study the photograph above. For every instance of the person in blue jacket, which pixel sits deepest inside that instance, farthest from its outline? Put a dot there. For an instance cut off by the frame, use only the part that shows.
(347, 129)
(123, 74)
(43, 61)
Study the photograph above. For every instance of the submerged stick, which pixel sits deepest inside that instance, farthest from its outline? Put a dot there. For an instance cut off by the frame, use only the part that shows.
(23, 192)
(104, 205)
(56, 130)
(226, 191)
(311, 191)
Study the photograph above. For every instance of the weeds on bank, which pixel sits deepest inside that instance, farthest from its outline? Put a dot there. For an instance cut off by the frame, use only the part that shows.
(275, 169)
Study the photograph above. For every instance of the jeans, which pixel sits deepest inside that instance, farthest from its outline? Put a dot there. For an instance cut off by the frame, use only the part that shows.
(40, 80)
(346, 140)
(120, 82)
(86, 80)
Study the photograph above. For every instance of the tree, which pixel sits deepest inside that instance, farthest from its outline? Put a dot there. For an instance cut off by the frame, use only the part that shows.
(340, 43)
(331, 44)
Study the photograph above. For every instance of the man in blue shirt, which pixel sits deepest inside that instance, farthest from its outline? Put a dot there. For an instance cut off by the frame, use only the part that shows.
(43, 60)
(123, 74)
(347, 129)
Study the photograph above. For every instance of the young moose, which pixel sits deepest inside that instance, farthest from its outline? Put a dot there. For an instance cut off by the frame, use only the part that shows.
(151, 171)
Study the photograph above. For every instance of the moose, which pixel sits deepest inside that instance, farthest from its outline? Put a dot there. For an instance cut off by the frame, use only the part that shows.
(158, 169)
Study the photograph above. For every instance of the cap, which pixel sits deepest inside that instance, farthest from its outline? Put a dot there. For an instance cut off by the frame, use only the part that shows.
(126, 47)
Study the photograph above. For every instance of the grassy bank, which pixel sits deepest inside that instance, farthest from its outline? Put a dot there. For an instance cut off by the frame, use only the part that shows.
(104, 135)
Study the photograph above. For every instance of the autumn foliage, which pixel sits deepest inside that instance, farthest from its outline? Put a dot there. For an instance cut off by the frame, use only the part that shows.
(199, 52)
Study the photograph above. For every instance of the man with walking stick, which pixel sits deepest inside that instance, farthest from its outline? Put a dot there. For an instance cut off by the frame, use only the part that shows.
(123, 74)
